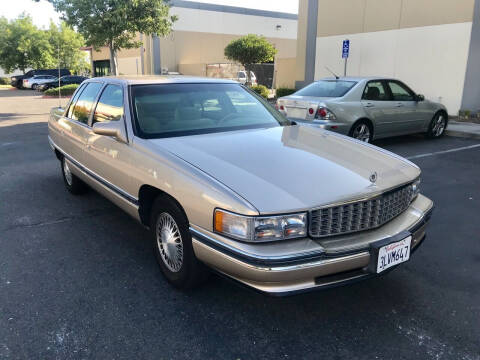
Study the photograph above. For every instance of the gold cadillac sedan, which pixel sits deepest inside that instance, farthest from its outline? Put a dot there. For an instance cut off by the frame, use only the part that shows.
(223, 180)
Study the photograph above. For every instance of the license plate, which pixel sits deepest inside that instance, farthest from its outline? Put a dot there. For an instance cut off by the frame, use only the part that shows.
(296, 113)
(393, 254)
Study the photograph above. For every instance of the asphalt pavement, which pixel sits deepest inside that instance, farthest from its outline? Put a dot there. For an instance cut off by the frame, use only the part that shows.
(78, 279)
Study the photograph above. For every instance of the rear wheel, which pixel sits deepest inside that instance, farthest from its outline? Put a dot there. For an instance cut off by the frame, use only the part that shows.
(437, 126)
(34, 86)
(72, 183)
(362, 131)
(172, 245)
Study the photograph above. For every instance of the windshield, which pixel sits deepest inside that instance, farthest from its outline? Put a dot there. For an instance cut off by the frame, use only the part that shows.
(166, 110)
(326, 88)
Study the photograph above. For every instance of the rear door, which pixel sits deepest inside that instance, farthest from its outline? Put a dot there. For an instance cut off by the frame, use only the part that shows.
(75, 127)
(378, 105)
(105, 155)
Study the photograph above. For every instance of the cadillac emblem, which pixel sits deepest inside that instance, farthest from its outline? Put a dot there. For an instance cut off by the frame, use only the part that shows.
(373, 178)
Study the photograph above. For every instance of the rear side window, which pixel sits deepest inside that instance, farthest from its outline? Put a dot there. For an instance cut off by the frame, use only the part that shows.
(375, 91)
(83, 106)
(74, 100)
(327, 88)
(110, 105)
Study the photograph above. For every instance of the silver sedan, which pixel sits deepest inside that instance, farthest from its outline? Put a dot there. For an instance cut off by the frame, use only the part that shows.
(365, 108)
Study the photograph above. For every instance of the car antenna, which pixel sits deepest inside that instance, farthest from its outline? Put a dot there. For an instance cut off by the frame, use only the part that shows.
(331, 72)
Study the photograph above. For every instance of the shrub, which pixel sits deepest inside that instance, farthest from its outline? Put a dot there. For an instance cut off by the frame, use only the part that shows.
(261, 90)
(4, 81)
(64, 90)
(282, 91)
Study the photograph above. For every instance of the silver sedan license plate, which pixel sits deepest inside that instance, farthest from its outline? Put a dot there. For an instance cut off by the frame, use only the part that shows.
(393, 254)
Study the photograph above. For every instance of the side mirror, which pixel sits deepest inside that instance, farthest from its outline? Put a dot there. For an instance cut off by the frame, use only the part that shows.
(419, 97)
(111, 128)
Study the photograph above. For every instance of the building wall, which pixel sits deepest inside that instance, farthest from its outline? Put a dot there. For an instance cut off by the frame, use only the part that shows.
(285, 73)
(200, 36)
(422, 42)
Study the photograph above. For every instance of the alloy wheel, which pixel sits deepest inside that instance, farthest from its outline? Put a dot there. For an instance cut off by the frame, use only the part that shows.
(361, 132)
(67, 173)
(438, 126)
(169, 242)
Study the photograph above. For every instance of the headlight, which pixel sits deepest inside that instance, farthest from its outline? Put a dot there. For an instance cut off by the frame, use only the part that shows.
(260, 228)
(415, 188)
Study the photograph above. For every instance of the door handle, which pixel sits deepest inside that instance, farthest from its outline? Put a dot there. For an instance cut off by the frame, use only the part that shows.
(369, 105)
(400, 105)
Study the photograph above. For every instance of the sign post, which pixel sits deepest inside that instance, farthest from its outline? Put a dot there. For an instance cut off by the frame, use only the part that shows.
(345, 53)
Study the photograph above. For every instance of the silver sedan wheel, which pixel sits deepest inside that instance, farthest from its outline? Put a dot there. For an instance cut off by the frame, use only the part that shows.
(169, 242)
(67, 173)
(361, 132)
(439, 126)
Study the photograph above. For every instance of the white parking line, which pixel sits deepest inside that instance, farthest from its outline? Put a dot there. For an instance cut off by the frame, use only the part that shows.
(443, 152)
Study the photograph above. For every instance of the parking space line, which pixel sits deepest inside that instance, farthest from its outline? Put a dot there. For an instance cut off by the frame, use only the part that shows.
(443, 152)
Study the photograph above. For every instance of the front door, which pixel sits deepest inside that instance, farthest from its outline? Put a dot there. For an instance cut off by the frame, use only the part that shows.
(408, 117)
(378, 106)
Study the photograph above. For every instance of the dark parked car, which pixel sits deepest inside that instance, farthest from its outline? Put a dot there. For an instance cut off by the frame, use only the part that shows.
(64, 80)
(17, 80)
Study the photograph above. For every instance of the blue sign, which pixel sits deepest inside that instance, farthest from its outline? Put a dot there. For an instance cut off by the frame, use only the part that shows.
(345, 49)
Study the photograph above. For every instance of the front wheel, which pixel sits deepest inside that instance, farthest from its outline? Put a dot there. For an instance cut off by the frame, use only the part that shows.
(362, 131)
(172, 244)
(437, 126)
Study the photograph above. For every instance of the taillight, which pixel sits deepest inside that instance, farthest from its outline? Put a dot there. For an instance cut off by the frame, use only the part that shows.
(324, 114)
(310, 111)
(282, 107)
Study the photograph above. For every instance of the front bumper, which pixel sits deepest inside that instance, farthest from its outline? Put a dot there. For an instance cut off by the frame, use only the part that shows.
(326, 266)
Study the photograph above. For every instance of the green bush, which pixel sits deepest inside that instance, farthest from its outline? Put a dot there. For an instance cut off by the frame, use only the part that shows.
(64, 90)
(261, 90)
(4, 81)
(282, 91)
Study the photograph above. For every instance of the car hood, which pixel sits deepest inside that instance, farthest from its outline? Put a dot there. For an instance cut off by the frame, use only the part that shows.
(292, 168)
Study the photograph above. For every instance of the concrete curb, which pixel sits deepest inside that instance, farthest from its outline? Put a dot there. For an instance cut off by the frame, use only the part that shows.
(462, 134)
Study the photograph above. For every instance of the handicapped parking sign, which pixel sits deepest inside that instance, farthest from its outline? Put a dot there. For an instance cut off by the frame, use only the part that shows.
(345, 49)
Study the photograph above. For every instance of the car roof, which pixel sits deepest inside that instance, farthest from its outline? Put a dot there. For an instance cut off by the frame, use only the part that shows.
(161, 79)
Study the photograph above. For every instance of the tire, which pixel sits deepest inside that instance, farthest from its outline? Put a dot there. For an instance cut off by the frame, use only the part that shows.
(172, 245)
(72, 183)
(362, 131)
(34, 86)
(437, 126)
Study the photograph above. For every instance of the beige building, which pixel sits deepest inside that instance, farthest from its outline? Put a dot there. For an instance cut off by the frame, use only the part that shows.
(199, 38)
(432, 45)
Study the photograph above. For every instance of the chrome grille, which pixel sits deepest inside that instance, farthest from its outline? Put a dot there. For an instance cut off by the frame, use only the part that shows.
(360, 215)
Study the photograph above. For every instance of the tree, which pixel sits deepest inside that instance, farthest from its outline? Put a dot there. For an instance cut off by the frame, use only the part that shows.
(66, 44)
(248, 50)
(116, 23)
(23, 45)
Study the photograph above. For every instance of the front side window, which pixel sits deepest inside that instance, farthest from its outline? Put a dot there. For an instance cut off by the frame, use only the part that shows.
(400, 92)
(327, 88)
(375, 91)
(83, 107)
(110, 105)
(166, 110)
